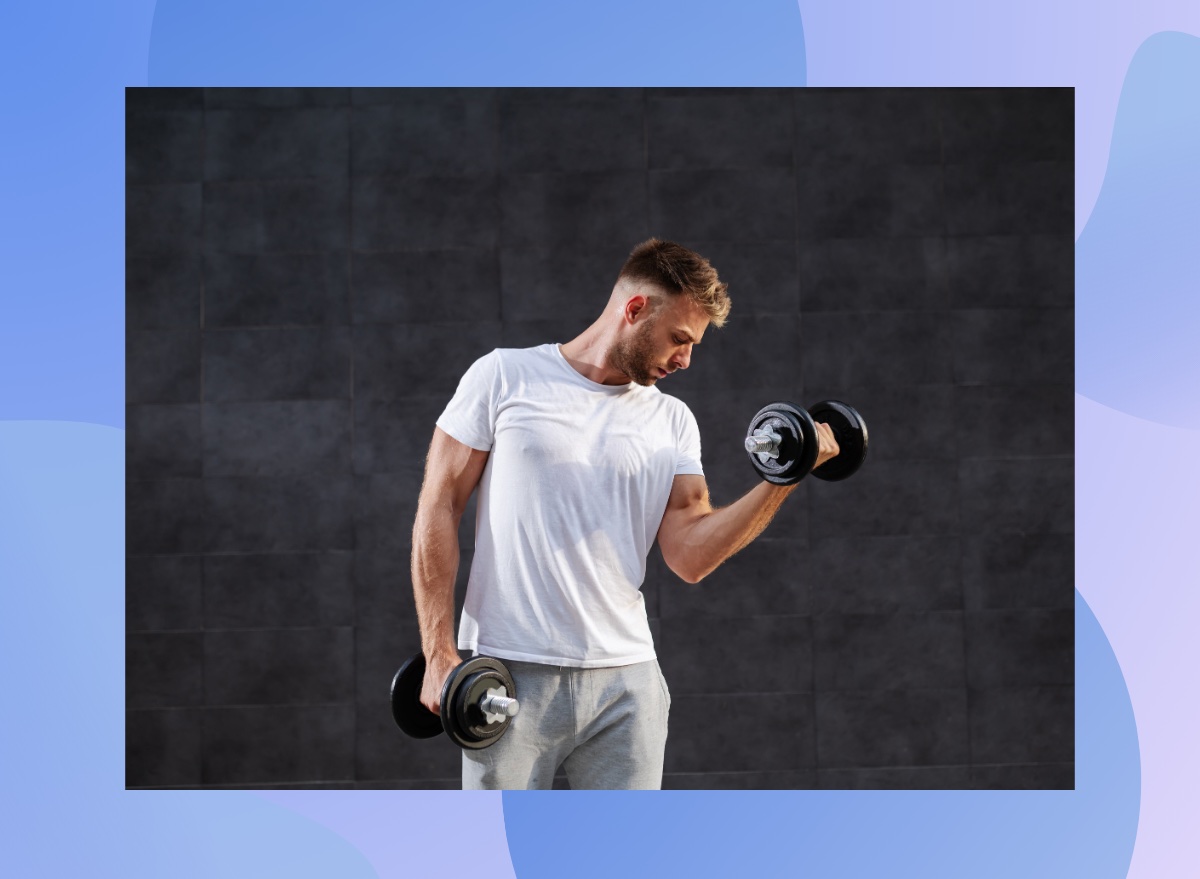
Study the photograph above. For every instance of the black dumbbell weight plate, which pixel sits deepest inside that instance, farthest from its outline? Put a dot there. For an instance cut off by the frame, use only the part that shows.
(466, 725)
(410, 715)
(850, 431)
(797, 445)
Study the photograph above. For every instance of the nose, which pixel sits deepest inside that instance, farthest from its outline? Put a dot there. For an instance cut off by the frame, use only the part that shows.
(683, 359)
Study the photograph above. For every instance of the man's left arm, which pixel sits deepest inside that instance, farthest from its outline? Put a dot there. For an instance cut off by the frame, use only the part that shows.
(695, 538)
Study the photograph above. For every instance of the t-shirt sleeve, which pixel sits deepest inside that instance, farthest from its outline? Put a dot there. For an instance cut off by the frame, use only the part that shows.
(687, 460)
(470, 416)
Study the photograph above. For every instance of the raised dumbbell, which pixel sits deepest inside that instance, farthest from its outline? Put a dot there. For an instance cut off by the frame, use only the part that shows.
(478, 699)
(782, 441)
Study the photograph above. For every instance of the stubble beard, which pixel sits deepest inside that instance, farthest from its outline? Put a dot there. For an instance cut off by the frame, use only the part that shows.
(635, 357)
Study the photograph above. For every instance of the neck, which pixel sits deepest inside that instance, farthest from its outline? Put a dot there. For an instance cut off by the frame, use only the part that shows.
(588, 355)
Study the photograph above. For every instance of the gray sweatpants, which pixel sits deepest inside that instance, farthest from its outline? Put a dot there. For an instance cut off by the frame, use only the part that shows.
(607, 728)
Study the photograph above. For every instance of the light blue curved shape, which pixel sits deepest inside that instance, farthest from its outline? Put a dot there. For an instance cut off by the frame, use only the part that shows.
(63, 807)
(982, 834)
(413, 832)
(478, 42)
(1140, 580)
(1137, 261)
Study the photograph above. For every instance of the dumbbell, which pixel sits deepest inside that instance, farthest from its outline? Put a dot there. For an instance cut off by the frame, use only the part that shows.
(782, 442)
(478, 699)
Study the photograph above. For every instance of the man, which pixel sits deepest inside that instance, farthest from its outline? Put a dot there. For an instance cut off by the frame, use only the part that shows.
(581, 463)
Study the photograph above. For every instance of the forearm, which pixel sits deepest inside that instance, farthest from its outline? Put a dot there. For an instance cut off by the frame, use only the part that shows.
(716, 535)
(434, 569)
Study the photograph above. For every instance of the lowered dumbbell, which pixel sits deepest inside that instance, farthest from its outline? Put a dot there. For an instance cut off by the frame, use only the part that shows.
(478, 699)
(782, 442)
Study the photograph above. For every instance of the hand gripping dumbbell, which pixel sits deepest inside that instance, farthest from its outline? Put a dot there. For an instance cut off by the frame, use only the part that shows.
(782, 442)
(478, 699)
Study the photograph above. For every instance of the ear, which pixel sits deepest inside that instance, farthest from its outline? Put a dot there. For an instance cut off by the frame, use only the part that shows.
(636, 306)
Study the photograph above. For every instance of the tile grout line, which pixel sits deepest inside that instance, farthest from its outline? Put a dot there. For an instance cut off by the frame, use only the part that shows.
(646, 161)
(204, 718)
(350, 304)
(498, 217)
(939, 103)
(808, 536)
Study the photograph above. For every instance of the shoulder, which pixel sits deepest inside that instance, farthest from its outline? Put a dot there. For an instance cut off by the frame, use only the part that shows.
(501, 360)
(522, 365)
(505, 370)
(522, 357)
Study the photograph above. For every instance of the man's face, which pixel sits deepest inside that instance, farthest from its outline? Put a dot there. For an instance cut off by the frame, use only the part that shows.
(660, 343)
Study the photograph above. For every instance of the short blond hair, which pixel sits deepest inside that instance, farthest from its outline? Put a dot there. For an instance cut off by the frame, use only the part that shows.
(678, 270)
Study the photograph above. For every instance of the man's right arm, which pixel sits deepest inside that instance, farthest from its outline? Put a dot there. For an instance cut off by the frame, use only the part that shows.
(452, 471)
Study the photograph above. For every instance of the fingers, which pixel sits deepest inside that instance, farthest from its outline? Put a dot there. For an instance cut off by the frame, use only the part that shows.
(827, 442)
(432, 699)
(431, 690)
(437, 671)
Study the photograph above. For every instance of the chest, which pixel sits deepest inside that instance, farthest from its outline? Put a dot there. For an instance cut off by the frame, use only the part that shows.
(623, 435)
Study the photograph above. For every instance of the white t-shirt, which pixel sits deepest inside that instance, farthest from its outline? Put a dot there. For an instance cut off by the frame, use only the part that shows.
(569, 504)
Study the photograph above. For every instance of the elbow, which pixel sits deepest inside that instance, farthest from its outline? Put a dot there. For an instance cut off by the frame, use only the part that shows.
(688, 559)
(687, 571)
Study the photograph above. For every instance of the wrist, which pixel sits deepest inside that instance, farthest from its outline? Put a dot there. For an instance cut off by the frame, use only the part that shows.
(445, 656)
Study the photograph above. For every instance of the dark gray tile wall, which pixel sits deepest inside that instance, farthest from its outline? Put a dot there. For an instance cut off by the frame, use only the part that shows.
(309, 272)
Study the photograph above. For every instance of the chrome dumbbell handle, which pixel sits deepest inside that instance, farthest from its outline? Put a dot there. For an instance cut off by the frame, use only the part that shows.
(497, 706)
(764, 443)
